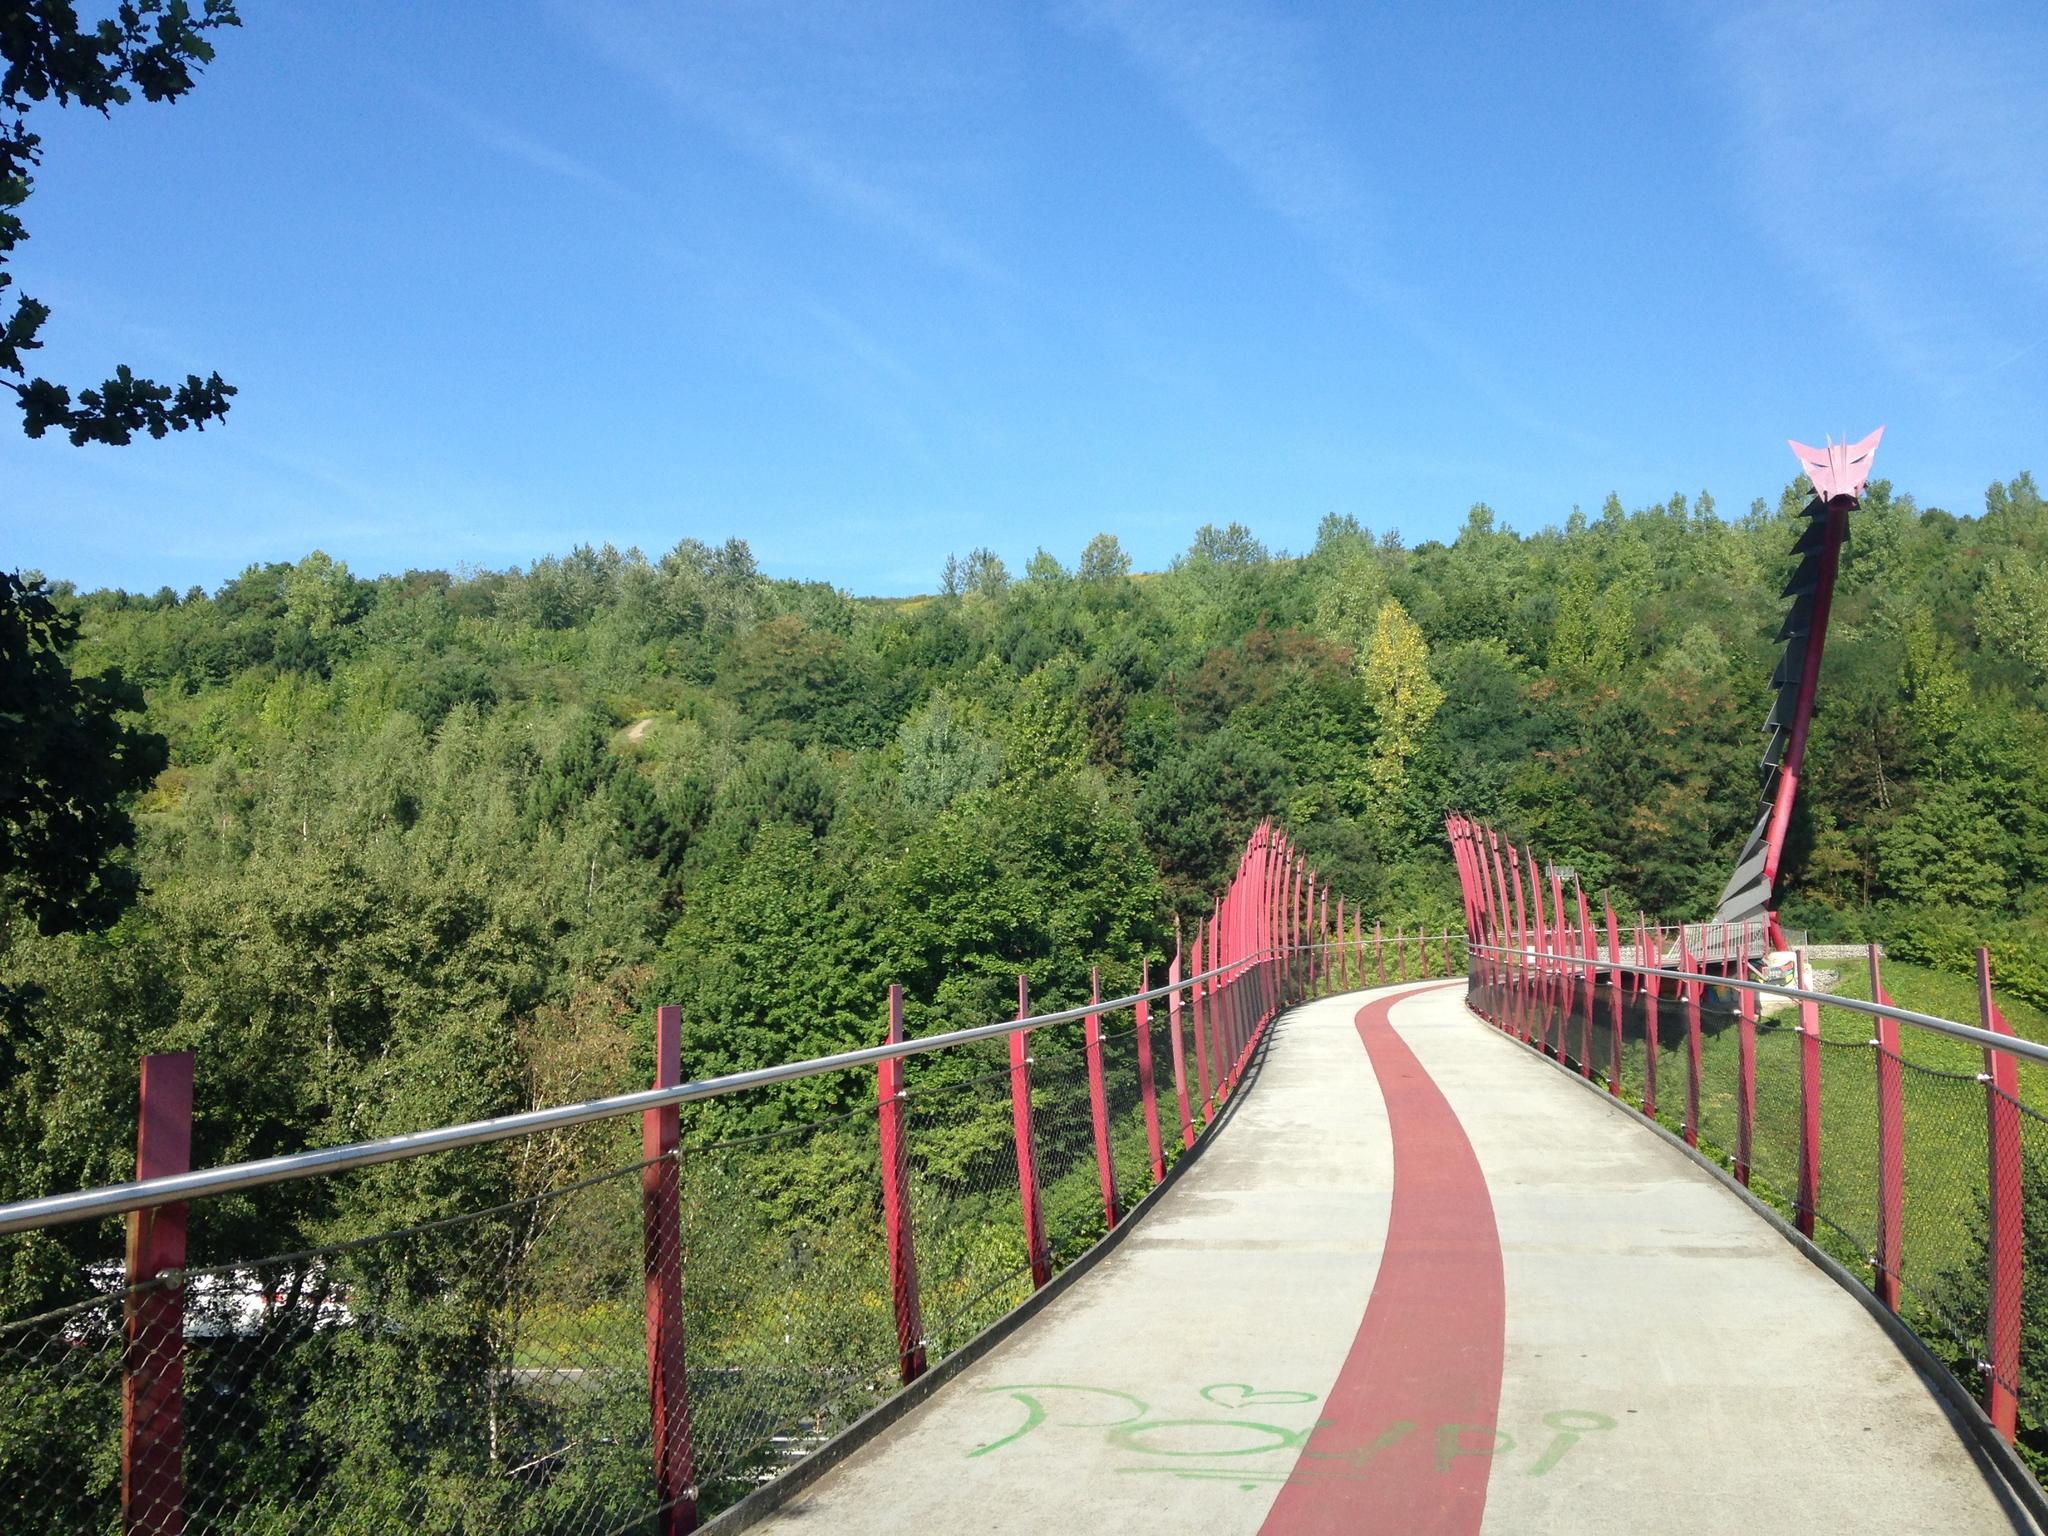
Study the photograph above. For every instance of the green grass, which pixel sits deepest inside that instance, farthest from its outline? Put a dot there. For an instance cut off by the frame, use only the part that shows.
(1946, 996)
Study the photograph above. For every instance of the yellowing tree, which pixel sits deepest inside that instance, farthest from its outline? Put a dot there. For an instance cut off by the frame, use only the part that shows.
(1404, 697)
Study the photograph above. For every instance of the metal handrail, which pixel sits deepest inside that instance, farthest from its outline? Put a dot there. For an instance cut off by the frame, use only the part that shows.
(1989, 1039)
(135, 1195)
(1389, 938)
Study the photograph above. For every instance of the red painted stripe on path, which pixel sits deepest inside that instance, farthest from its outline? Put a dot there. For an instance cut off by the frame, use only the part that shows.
(1405, 1443)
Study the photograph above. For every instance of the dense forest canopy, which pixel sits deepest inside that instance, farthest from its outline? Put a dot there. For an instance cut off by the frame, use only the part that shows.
(429, 845)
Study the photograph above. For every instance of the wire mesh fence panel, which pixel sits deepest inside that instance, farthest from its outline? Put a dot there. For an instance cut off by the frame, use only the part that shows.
(1069, 1182)
(1941, 1269)
(1636, 1045)
(1565, 1020)
(789, 1314)
(1774, 1138)
(1847, 1213)
(1720, 1080)
(1666, 1025)
(60, 1418)
(966, 1205)
(1588, 1042)
(1596, 1031)
(1190, 1063)
(2033, 1382)
(1130, 1145)
(1553, 1019)
(478, 1372)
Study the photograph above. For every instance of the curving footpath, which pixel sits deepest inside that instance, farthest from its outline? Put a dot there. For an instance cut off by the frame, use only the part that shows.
(1423, 1283)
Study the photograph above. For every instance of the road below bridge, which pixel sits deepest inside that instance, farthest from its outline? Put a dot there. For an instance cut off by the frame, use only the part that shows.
(1423, 1283)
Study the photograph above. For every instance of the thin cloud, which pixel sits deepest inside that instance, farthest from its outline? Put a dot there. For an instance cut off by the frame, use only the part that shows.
(1897, 157)
(839, 184)
(1247, 79)
(1247, 82)
(516, 144)
(728, 85)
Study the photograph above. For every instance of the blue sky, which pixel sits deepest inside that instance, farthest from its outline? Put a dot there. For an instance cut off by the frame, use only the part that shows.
(867, 282)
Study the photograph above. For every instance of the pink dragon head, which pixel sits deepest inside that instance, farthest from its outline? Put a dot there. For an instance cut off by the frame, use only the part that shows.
(1840, 469)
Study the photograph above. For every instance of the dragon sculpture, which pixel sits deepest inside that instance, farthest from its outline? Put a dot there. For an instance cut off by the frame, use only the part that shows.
(1838, 473)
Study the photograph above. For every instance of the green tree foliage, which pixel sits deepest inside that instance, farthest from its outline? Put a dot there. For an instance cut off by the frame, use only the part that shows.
(156, 47)
(1103, 561)
(1936, 691)
(1948, 850)
(69, 763)
(2012, 610)
(944, 756)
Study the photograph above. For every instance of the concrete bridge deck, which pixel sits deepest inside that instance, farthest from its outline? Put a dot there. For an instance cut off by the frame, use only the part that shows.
(1422, 1283)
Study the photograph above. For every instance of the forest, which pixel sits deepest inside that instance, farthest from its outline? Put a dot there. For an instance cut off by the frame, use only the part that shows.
(429, 846)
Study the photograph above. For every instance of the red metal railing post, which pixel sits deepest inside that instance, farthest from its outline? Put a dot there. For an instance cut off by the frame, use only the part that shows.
(1219, 1008)
(1614, 1007)
(1808, 1203)
(1231, 995)
(1234, 1030)
(1174, 1039)
(1035, 1246)
(1379, 952)
(910, 1345)
(1341, 960)
(1560, 944)
(1589, 952)
(1259, 923)
(1310, 956)
(1304, 897)
(1098, 1101)
(153, 1372)
(1581, 984)
(2005, 1187)
(1478, 927)
(1506, 924)
(1550, 1024)
(661, 1217)
(1147, 1090)
(1520, 979)
(1745, 1083)
(1692, 990)
(1286, 932)
(1233, 988)
(1559, 947)
(1648, 988)
(1891, 1147)
(1212, 1019)
(1197, 1020)
(1305, 956)
(1539, 987)
(1323, 952)
(1290, 932)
